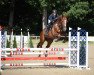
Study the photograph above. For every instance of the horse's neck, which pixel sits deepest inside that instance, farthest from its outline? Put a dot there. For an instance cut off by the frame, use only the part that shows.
(56, 28)
(57, 23)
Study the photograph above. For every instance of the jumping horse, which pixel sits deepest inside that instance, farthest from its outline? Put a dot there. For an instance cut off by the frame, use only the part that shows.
(58, 29)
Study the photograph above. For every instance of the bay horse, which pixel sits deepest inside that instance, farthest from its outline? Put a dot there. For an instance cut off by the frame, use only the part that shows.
(58, 28)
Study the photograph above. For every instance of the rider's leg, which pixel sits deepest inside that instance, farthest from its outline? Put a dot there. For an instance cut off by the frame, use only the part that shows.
(48, 27)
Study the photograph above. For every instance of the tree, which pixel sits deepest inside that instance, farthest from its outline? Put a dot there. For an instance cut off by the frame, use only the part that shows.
(33, 13)
(79, 10)
(11, 13)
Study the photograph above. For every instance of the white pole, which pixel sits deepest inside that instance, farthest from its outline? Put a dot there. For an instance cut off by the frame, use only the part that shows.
(36, 40)
(21, 39)
(78, 42)
(0, 50)
(69, 46)
(28, 39)
(35, 64)
(38, 49)
(86, 50)
(34, 53)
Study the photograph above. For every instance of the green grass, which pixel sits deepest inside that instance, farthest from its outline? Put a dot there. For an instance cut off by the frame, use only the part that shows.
(35, 42)
(91, 42)
(54, 43)
(0, 72)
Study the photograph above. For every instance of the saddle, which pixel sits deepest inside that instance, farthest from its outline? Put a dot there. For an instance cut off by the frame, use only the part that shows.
(49, 26)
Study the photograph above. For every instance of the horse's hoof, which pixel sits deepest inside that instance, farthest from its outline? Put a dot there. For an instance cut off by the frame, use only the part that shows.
(39, 56)
(64, 41)
(46, 55)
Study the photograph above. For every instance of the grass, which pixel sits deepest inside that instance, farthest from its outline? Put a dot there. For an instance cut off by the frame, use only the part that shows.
(35, 42)
(0, 72)
(59, 43)
(91, 42)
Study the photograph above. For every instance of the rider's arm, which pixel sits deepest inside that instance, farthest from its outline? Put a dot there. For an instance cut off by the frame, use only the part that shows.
(49, 19)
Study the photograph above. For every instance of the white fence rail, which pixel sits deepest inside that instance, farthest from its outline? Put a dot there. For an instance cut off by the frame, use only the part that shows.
(90, 38)
(36, 40)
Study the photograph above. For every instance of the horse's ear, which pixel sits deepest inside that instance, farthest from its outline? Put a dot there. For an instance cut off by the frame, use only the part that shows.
(64, 17)
(60, 16)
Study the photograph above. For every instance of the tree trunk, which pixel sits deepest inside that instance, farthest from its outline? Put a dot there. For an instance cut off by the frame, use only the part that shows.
(11, 14)
(44, 18)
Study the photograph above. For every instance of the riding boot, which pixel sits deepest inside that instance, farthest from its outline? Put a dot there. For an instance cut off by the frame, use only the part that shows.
(47, 29)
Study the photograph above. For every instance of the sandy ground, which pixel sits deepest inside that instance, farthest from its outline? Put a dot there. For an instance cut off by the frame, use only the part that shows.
(56, 70)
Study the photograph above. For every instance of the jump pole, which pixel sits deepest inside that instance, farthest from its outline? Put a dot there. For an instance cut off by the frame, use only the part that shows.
(37, 49)
(35, 64)
(33, 58)
(34, 53)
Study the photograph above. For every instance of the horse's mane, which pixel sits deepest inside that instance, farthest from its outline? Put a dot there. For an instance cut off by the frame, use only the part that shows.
(59, 18)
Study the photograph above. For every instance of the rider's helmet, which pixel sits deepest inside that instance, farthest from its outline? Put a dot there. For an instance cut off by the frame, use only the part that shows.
(54, 12)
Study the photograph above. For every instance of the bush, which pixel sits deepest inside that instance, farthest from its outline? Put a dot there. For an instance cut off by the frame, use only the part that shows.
(8, 44)
(14, 43)
(30, 44)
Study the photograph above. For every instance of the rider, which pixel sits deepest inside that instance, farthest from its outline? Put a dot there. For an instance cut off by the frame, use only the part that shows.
(51, 19)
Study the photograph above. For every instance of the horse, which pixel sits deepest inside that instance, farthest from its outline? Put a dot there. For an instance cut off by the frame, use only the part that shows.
(58, 29)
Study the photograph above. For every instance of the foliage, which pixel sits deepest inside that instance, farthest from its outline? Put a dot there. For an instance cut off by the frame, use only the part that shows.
(14, 43)
(79, 10)
(8, 44)
(30, 44)
(28, 13)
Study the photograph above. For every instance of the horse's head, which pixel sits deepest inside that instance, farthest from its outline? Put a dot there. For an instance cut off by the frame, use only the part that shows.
(63, 20)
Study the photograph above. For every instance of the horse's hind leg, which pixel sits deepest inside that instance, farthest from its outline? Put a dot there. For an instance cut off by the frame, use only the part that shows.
(65, 37)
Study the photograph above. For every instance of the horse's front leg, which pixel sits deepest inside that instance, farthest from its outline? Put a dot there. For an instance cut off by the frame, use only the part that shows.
(40, 46)
(49, 42)
(65, 37)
